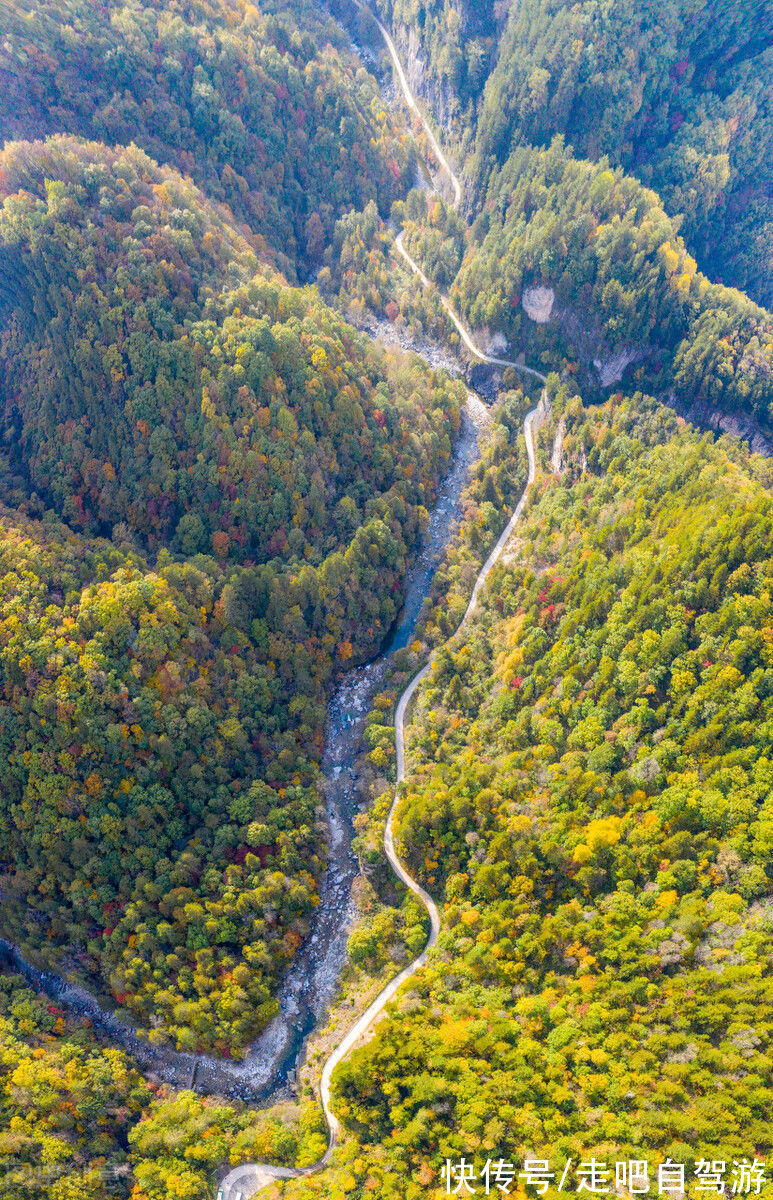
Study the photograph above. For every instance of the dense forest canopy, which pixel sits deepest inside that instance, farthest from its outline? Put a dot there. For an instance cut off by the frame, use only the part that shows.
(573, 248)
(167, 384)
(590, 801)
(262, 472)
(264, 107)
(77, 1122)
(211, 486)
(621, 278)
(681, 97)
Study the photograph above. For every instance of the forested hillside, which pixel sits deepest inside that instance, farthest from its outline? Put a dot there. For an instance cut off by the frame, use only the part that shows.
(79, 1123)
(450, 47)
(257, 466)
(623, 285)
(620, 191)
(168, 384)
(680, 96)
(590, 801)
(211, 489)
(264, 107)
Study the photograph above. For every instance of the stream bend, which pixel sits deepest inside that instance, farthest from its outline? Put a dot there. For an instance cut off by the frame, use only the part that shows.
(246, 1180)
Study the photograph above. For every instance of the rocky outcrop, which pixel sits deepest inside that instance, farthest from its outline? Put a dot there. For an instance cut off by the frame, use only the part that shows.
(538, 303)
(437, 94)
(739, 425)
(557, 457)
(611, 369)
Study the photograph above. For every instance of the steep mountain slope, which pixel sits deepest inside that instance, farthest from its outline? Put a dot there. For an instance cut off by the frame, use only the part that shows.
(680, 96)
(591, 801)
(168, 384)
(448, 47)
(570, 256)
(263, 106)
(620, 285)
(162, 723)
(243, 478)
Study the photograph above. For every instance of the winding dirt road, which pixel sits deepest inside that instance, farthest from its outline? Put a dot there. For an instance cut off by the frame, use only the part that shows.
(461, 329)
(246, 1180)
(410, 100)
(444, 164)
